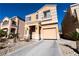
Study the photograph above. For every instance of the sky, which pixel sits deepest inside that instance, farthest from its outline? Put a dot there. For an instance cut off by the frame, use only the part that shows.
(22, 9)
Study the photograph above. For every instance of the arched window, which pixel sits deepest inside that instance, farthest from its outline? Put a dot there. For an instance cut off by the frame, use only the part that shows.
(13, 23)
(5, 22)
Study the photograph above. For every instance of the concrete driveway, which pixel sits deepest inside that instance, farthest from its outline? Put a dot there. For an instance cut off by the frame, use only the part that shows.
(41, 48)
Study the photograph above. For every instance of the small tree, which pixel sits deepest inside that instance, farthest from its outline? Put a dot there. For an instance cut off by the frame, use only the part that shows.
(16, 37)
(2, 40)
(2, 33)
(75, 36)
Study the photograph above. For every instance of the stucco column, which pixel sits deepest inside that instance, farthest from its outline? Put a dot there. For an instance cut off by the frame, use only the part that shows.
(58, 37)
(8, 32)
(9, 28)
(28, 33)
(41, 33)
(16, 30)
(37, 31)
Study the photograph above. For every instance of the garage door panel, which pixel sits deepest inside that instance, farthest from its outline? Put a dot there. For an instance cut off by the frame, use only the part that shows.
(49, 33)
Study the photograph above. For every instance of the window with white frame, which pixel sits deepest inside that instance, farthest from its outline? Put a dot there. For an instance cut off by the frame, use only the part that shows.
(37, 16)
(5, 22)
(28, 18)
(47, 14)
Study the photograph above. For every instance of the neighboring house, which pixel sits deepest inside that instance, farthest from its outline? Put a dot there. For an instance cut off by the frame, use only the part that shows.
(0, 24)
(13, 25)
(70, 22)
(43, 24)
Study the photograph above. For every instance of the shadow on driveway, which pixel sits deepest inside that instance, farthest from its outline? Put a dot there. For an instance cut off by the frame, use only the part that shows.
(75, 50)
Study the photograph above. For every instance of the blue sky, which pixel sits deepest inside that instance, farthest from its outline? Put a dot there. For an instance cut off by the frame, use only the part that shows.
(22, 9)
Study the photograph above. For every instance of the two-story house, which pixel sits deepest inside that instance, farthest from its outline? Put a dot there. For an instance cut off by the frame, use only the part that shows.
(13, 25)
(43, 24)
(70, 22)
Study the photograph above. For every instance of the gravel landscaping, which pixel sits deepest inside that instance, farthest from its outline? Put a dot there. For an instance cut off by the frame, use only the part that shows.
(68, 47)
(13, 46)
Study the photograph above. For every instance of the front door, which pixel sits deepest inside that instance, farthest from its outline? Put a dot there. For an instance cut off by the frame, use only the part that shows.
(32, 32)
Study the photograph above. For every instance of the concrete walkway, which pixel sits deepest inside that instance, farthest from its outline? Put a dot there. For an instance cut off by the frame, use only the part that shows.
(42, 48)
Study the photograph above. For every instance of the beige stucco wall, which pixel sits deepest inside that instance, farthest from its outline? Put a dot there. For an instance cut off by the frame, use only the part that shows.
(53, 20)
(35, 34)
(6, 26)
(33, 17)
(53, 12)
(21, 29)
(19, 26)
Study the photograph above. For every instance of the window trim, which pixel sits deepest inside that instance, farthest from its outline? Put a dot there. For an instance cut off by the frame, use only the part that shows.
(45, 13)
(36, 16)
(28, 18)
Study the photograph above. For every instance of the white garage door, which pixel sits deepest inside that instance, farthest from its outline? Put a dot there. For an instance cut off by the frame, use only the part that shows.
(49, 33)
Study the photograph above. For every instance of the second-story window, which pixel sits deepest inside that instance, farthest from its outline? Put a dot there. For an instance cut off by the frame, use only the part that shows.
(37, 16)
(5, 22)
(47, 14)
(13, 23)
(28, 18)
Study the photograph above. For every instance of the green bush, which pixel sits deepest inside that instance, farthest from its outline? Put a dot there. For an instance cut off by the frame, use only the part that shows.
(2, 33)
(75, 36)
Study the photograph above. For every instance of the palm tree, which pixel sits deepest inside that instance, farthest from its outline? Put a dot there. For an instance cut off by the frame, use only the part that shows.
(75, 36)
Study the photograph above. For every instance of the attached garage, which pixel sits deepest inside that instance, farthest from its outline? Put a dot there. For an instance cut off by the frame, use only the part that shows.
(49, 33)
